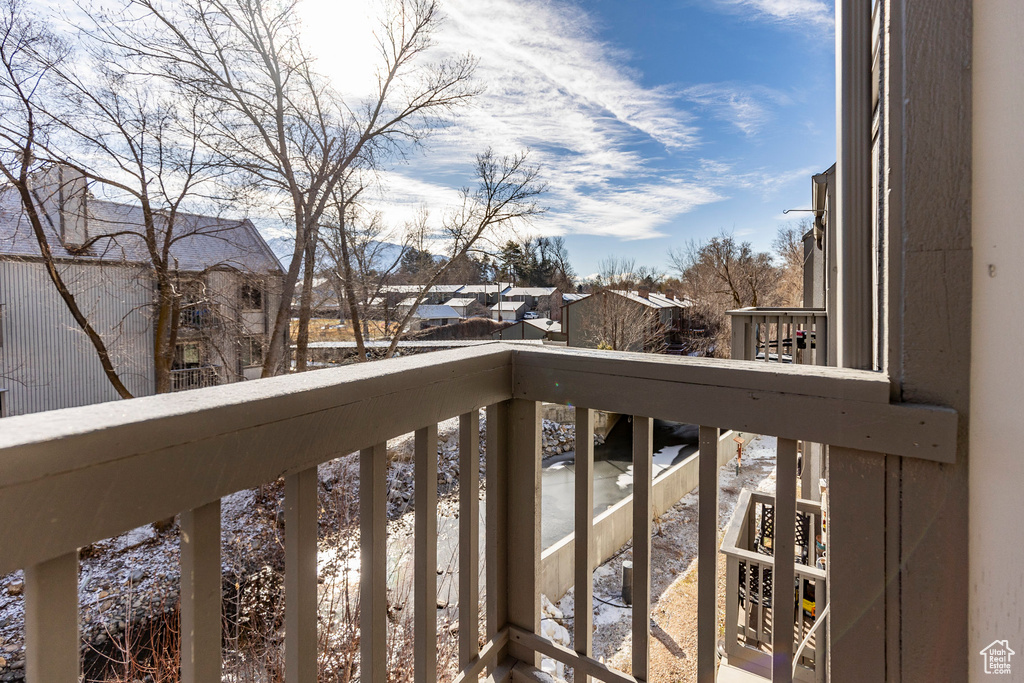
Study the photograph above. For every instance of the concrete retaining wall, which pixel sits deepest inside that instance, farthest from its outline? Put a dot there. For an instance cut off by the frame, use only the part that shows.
(614, 527)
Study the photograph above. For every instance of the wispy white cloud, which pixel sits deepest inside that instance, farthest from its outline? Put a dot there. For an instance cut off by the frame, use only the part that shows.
(749, 108)
(552, 85)
(800, 12)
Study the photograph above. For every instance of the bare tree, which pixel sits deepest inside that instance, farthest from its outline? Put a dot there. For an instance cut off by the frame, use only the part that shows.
(789, 246)
(362, 260)
(29, 53)
(278, 121)
(611, 320)
(720, 274)
(506, 195)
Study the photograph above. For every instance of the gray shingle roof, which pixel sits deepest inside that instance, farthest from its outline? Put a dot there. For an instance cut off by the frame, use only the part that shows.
(435, 312)
(201, 242)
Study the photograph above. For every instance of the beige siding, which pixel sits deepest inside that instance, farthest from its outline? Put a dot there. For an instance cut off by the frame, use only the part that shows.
(46, 361)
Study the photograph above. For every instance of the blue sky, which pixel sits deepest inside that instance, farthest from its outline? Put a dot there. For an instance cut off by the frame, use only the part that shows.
(654, 121)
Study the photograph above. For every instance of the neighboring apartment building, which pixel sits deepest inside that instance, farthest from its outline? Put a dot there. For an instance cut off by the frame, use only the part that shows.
(227, 274)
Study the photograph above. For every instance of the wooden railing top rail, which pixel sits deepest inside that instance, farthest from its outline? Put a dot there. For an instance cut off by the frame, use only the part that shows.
(779, 310)
(836, 406)
(71, 477)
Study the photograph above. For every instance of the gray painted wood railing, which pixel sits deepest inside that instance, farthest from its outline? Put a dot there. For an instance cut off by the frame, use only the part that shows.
(157, 456)
(749, 628)
(780, 335)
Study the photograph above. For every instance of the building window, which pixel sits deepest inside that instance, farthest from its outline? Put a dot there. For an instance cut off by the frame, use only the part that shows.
(252, 296)
(186, 355)
(251, 354)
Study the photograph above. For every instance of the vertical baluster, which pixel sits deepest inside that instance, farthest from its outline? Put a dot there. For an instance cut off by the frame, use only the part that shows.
(751, 338)
(469, 536)
(425, 615)
(707, 561)
(758, 608)
(584, 583)
(300, 531)
(732, 603)
(51, 620)
(201, 594)
(782, 553)
(373, 564)
(779, 327)
(643, 449)
(496, 561)
(523, 534)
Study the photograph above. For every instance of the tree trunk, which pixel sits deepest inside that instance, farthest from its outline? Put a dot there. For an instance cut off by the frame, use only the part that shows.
(306, 304)
(350, 293)
(274, 361)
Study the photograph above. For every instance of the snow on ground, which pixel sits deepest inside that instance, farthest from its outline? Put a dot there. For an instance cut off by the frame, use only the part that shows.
(674, 549)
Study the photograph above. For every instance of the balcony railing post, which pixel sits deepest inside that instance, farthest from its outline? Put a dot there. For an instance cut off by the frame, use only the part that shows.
(740, 329)
(584, 522)
(783, 562)
(643, 465)
(373, 553)
(524, 497)
(707, 561)
(201, 594)
(496, 562)
(425, 557)
(469, 536)
(300, 535)
(51, 620)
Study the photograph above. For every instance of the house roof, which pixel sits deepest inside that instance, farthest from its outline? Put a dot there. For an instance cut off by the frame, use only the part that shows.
(485, 288)
(653, 300)
(410, 302)
(435, 312)
(401, 289)
(545, 324)
(451, 289)
(508, 306)
(529, 291)
(460, 302)
(572, 296)
(201, 242)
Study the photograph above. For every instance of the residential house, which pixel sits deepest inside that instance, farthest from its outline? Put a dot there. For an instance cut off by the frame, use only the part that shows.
(432, 315)
(531, 296)
(461, 305)
(508, 310)
(227, 274)
(920, 413)
(536, 328)
(623, 320)
(485, 294)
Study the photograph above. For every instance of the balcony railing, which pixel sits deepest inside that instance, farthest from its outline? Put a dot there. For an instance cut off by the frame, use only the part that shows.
(181, 454)
(750, 613)
(782, 335)
(194, 378)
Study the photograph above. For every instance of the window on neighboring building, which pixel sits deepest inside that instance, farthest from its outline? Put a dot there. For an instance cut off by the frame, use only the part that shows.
(186, 355)
(252, 296)
(251, 353)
